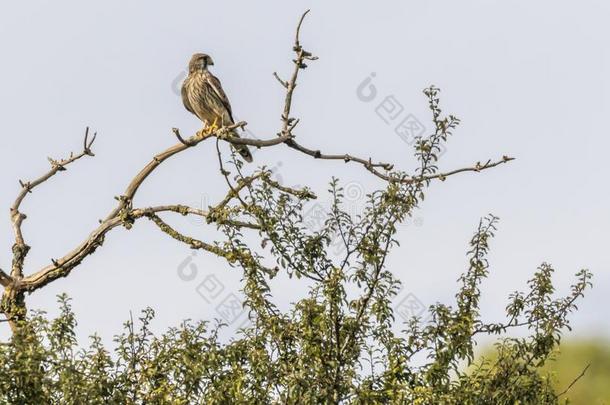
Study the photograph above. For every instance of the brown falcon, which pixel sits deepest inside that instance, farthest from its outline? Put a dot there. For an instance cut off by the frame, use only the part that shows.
(202, 95)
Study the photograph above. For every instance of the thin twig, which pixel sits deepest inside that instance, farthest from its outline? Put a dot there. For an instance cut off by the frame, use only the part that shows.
(476, 168)
(282, 82)
(367, 163)
(87, 144)
(575, 380)
(292, 83)
(176, 132)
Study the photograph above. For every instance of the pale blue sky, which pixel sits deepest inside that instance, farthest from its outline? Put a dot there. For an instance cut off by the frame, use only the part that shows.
(528, 79)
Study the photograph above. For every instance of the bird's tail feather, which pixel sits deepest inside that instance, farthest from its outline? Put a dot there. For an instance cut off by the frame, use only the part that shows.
(242, 149)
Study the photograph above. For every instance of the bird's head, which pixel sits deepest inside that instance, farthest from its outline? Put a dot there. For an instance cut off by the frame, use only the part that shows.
(200, 61)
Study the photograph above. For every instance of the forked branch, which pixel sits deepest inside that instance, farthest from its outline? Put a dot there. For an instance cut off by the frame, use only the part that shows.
(20, 248)
(289, 123)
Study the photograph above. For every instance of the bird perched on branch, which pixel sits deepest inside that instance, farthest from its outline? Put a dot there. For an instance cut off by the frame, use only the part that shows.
(202, 95)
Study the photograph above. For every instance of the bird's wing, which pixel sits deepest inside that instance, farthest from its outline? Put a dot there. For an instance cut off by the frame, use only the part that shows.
(185, 98)
(215, 85)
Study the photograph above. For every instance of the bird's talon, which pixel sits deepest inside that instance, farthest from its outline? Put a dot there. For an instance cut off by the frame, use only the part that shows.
(214, 126)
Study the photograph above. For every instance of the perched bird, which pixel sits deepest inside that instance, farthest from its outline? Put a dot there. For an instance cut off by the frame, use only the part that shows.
(202, 95)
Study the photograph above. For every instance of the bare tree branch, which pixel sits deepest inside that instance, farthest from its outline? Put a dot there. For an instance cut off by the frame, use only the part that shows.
(176, 132)
(367, 163)
(126, 199)
(582, 373)
(63, 266)
(123, 214)
(259, 143)
(299, 63)
(476, 168)
(198, 244)
(282, 82)
(20, 248)
(370, 166)
(192, 242)
(289, 124)
(186, 210)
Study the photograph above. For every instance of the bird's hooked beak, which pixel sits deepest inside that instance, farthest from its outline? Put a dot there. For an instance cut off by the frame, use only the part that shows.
(210, 62)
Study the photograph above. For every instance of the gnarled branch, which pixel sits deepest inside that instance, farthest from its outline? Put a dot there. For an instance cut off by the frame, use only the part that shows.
(20, 248)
